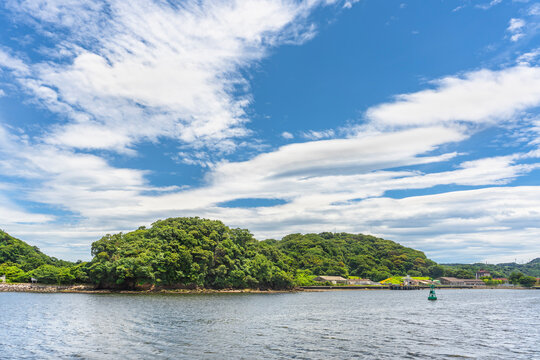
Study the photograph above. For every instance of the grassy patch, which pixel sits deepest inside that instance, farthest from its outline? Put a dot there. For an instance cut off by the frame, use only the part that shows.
(396, 280)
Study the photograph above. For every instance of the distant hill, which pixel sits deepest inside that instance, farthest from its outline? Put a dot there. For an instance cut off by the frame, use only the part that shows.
(27, 257)
(532, 268)
(20, 262)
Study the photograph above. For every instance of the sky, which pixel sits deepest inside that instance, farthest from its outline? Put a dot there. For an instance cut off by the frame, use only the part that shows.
(416, 121)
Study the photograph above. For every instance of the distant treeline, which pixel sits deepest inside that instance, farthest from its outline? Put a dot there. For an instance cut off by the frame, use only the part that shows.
(195, 252)
(504, 270)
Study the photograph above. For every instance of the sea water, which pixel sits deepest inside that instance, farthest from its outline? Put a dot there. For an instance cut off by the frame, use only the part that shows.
(370, 324)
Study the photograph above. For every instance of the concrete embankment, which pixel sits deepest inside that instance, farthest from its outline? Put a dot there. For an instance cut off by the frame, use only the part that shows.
(90, 289)
(4, 287)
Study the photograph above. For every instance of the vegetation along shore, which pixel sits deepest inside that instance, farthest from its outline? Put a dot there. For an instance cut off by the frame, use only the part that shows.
(194, 254)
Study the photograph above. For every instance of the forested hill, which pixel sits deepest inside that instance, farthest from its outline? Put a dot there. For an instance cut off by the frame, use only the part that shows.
(349, 254)
(20, 262)
(196, 252)
(27, 257)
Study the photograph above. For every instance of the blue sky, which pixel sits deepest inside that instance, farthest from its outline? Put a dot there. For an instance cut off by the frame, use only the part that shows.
(416, 121)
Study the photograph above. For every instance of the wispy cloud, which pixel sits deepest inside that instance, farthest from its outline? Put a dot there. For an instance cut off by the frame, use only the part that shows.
(528, 58)
(515, 28)
(482, 96)
(287, 135)
(318, 135)
(150, 69)
(489, 5)
(534, 10)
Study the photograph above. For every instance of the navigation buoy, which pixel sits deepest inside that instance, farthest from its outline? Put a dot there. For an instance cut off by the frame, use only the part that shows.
(432, 295)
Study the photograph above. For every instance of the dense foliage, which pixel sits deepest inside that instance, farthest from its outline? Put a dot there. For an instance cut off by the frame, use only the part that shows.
(191, 252)
(348, 254)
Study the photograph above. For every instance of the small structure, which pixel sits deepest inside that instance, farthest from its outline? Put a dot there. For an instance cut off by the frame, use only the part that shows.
(482, 273)
(409, 281)
(33, 280)
(3, 278)
(331, 279)
(474, 282)
(461, 282)
(361, 282)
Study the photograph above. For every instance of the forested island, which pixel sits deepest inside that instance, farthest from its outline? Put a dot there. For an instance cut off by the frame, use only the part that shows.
(201, 253)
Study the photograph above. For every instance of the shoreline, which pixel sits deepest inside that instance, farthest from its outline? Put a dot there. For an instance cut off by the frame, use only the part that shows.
(90, 289)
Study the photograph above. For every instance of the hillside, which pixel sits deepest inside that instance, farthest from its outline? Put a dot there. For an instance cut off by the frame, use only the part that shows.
(27, 257)
(349, 254)
(20, 261)
(194, 252)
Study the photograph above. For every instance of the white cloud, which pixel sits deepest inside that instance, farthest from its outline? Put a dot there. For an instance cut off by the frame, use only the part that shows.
(489, 5)
(528, 58)
(13, 63)
(317, 135)
(482, 96)
(349, 3)
(287, 135)
(330, 184)
(176, 74)
(515, 27)
(534, 10)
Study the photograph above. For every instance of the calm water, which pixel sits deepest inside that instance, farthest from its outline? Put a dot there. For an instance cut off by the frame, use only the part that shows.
(483, 324)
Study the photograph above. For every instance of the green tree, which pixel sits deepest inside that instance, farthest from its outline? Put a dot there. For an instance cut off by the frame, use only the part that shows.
(527, 281)
(436, 271)
(515, 277)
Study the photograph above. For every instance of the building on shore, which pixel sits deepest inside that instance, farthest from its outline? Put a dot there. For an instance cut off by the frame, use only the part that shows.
(361, 282)
(461, 282)
(482, 273)
(331, 279)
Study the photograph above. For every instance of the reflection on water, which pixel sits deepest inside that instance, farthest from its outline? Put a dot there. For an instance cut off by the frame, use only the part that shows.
(484, 324)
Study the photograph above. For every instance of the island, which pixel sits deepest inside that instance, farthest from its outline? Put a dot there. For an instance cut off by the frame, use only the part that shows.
(196, 253)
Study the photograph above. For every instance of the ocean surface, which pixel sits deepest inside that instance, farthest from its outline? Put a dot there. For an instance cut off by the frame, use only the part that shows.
(468, 324)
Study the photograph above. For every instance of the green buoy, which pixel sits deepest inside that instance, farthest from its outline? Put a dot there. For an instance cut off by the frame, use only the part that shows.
(432, 295)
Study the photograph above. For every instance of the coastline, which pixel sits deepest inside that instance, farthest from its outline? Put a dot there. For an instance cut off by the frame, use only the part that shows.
(90, 289)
